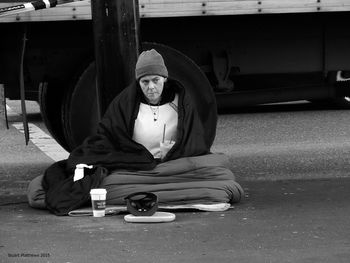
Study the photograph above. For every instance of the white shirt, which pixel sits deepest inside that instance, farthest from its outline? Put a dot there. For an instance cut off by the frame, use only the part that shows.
(149, 125)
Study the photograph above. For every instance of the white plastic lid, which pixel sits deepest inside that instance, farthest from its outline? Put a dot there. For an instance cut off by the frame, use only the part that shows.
(157, 217)
(98, 191)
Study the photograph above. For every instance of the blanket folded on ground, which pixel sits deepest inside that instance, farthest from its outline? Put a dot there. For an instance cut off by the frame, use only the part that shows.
(191, 182)
(202, 179)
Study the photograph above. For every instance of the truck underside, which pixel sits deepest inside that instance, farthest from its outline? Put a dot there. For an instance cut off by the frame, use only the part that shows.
(248, 60)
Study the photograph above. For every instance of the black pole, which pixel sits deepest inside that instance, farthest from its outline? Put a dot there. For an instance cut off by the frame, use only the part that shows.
(116, 39)
(3, 110)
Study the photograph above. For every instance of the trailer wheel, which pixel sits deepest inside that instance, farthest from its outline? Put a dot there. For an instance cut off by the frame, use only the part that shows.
(79, 108)
(80, 116)
(50, 100)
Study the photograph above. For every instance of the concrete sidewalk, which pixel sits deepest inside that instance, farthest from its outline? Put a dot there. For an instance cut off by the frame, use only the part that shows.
(279, 221)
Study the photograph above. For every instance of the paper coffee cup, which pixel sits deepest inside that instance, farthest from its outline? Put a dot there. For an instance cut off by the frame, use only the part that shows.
(165, 147)
(98, 201)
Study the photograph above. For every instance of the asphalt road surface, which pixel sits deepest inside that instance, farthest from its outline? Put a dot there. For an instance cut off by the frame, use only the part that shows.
(287, 141)
(278, 220)
(271, 142)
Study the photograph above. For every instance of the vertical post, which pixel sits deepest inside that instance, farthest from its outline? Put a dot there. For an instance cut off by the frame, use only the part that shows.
(116, 39)
(3, 111)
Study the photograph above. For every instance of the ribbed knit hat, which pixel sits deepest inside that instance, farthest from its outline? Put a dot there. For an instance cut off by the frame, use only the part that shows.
(150, 62)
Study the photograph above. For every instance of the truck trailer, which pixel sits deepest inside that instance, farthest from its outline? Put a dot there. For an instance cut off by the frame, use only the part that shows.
(248, 52)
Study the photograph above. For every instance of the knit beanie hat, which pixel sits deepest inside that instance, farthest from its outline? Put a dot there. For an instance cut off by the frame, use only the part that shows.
(150, 62)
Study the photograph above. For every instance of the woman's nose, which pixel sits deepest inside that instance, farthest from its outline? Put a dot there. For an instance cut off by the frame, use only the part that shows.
(151, 86)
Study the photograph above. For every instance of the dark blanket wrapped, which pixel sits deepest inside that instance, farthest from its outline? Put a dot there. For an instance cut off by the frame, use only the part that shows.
(112, 148)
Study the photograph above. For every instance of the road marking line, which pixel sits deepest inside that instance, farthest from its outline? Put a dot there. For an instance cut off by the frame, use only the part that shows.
(40, 139)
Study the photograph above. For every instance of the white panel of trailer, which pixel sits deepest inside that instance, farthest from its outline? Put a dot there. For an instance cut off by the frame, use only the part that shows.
(81, 10)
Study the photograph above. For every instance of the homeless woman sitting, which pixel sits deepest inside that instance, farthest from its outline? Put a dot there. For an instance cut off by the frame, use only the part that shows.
(151, 139)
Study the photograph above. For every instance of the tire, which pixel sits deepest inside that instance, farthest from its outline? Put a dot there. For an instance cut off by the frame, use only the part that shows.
(79, 105)
(79, 108)
(50, 101)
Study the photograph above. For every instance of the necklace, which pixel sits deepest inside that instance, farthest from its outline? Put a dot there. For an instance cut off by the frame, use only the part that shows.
(155, 111)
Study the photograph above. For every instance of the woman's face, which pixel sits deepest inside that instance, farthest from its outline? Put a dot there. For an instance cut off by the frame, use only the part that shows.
(152, 87)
